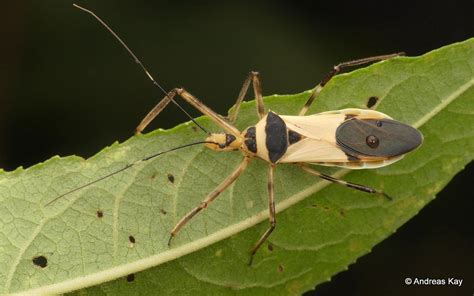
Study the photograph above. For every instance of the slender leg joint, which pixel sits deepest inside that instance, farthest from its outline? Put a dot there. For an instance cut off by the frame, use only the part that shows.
(345, 183)
(336, 69)
(271, 212)
(155, 111)
(210, 198)
(254, 78)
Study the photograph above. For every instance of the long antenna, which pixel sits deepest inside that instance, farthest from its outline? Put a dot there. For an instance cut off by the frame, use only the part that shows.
(137, 60)
(127, 167)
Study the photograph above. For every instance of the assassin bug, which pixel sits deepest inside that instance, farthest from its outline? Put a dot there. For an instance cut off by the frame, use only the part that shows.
(348, 138)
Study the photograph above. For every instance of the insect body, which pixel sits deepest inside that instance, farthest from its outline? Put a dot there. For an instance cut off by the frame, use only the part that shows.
(352, 138)
(349, 138)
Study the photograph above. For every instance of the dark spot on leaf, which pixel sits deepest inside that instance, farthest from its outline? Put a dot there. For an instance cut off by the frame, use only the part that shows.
(342, 213)
(40, 261)
(326, 208)
(280, 268)
(314, 205)
(372, 101)
(171, 178)
(131, 239)
(194, 128)
(153, 176)
(130, 277)
(163, 212)
(100, 214)
(270, 247)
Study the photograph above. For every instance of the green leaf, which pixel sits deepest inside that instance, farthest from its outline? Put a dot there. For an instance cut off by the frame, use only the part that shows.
(86, 236)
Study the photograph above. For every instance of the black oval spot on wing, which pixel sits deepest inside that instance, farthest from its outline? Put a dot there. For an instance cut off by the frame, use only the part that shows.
(394, 138)
(100, 214)
(372, 141)
(40, 261)
(276, 137)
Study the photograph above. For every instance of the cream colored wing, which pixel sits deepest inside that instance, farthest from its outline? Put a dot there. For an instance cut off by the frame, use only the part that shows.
(312, 150)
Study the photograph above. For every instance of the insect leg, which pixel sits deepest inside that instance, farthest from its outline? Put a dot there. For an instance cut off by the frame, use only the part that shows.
(345, 183)
(195, 102)
(155, 111)
(271, 209)
(336, 69)
(253, 77)
(217, 118)
(213, 195)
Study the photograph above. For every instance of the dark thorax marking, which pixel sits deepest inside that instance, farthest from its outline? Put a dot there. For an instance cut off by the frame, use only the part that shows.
(250, 139)
(276, 137)
(293, 137)
(229, 139)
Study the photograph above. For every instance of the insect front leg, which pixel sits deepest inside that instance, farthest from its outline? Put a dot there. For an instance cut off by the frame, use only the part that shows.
(155, 111)
(193, 101)
(336, 69)
(272, 213)
(210, 198)
(253, 77)
(345, 183)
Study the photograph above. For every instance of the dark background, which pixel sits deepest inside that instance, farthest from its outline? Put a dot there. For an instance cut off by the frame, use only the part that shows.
(66, 87)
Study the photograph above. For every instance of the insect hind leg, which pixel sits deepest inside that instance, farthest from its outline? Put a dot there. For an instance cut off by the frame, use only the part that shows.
(345, 183)
(336, 69)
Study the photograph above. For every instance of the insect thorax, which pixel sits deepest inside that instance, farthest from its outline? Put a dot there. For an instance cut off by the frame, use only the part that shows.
(270, 138)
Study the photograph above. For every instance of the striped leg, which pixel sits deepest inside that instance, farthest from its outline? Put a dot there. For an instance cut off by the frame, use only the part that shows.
(155, 111)
(253, 77)
(192, 100)
(272, 213)
(342, 182)
(213, 195)
(336, 69)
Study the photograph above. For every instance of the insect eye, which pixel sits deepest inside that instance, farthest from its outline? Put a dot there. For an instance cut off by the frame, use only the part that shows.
(372, 141)
(379, 123)
(222, 146)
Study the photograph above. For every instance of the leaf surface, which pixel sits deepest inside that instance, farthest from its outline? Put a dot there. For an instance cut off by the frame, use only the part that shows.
(120, 226)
